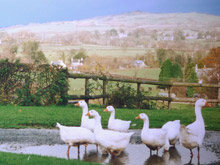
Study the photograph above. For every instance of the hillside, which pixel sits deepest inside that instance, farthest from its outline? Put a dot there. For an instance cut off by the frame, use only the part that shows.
(127, 21)
(132, 34)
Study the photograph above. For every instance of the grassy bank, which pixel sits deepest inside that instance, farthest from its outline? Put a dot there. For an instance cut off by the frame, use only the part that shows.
(10, 158)
(46, 117)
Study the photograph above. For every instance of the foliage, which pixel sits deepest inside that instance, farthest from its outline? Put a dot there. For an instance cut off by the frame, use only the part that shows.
(123, 95)
(190, 76)
(166, 71)
(31, 50)
(176, 72)
(80, 54)
(213, 58)
(32, 84)
(161, 56)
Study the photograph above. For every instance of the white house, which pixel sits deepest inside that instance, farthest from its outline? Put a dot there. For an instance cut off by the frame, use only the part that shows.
(58, 63)
(75, 63)
(139, 64)
(202, 73)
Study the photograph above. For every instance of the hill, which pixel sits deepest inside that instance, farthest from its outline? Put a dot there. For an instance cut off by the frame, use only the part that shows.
(127, 21)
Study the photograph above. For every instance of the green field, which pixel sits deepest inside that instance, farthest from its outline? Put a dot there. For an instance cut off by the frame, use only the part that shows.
(77, 86)
(15, 159)
(46, 117)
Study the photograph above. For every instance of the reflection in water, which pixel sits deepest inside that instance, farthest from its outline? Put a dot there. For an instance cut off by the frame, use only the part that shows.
(171, 157)
(94, 156)
(134, 154)
(120, 160)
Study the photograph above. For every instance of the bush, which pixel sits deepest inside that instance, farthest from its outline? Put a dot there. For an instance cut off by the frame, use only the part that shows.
(25, 84)
(123, 95)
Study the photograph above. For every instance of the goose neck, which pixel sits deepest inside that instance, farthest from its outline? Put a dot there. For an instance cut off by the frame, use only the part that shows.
(85, 109)
(112, 114)
(198, 113)
(146, 124)
(98, 124)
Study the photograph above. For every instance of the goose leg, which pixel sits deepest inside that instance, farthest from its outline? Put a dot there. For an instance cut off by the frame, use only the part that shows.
(191, 153)
(97, 149)
(78, 147)
(86, 147)
(198, 152)
(150, 152)
(157, 151)
(68, 152)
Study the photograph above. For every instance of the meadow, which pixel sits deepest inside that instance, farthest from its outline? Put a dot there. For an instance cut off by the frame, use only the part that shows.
(12, 116)
(77, 86)
(27, 159)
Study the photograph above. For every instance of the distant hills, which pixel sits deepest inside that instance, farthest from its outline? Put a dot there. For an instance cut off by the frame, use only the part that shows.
(127, 21)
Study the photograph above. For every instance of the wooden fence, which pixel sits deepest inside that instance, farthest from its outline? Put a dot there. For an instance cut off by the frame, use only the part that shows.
(138, 81)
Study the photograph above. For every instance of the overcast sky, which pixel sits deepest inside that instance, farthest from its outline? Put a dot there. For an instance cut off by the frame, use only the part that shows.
(14, 12)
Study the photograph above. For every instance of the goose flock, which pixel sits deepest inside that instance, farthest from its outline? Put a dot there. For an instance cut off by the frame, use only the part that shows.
(116, 138)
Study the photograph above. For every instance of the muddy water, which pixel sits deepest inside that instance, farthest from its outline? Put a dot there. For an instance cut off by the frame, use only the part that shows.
(135, 153)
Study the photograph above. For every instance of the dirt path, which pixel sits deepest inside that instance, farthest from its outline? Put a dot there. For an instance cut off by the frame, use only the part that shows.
(37, 137)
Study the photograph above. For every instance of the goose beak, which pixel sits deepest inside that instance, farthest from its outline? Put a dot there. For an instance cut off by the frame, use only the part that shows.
(88, 114)
(138, 117)
(77, 104)
(207, 104)
(105, 110)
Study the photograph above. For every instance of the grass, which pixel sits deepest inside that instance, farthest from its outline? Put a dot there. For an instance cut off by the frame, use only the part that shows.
(26, 159)
(46, 117)
(77, 86)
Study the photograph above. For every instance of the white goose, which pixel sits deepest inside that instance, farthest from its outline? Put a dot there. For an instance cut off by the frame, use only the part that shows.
(113, 142)
(192, 135)
(154, 138)
(173, 131)
(75, 136)
(86, 122)
(116, 124)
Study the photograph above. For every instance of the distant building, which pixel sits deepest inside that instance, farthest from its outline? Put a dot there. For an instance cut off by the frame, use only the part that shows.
(58, 63)
(201, 73)
(75, 63)
(138, 64)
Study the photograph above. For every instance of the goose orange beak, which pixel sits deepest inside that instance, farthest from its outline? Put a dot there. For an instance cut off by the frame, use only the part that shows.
(207, 104)
(88, 114)
(77, 104)
(105, 110)
(138, 117)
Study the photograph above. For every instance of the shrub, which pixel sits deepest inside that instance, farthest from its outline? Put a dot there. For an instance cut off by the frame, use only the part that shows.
(25, 84)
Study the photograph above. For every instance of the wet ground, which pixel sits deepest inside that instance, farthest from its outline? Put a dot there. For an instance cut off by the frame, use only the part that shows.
(47, 142)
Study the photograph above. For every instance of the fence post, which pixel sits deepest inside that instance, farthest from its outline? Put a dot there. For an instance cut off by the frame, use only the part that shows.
(219, 94)
(169, 95)
(104, 92)
(87, 90)
(138, 94)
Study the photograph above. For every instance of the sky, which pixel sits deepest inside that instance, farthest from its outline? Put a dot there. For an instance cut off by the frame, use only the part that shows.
(23, 12)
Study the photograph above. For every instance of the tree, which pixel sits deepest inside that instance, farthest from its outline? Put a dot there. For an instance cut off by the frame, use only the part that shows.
(177, 72)
(166, 70)
(80, 54)
(32, 52)
(161, 56)
(190, 76)
(212, 60)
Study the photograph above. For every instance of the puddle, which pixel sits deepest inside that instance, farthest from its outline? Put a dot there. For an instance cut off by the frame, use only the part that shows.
(133, 154)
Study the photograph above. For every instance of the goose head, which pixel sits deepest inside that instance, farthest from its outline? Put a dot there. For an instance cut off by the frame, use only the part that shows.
(92, 113)
(202, 103)
(142, 116)
(81, 104)
(109, 109)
